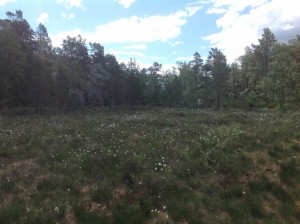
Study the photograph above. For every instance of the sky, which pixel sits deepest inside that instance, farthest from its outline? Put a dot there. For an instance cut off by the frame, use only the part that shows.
(165, 31)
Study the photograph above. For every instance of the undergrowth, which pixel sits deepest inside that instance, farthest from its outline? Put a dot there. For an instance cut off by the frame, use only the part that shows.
(155, 166)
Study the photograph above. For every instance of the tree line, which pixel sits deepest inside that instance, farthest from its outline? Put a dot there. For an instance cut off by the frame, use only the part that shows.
(77, 74)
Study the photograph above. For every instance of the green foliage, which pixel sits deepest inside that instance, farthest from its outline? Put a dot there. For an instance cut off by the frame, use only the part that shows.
(289, 173)
(12, 213)
(84, 216)
(162, 165)
(127, 214)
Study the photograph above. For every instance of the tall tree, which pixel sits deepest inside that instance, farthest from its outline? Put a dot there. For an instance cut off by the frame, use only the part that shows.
(283, 76)
(97, 53)
(12, 65)
(153, 84)
(77, 59)
(198, 79)
(234, 83)
(217, 65)
(134, 80)
(172, 89)
(264, 50)
(114, 87)
(43, 41)
(186, 80)
(25, 36)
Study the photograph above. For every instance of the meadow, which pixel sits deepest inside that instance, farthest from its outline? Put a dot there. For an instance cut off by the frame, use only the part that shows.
(150, 166)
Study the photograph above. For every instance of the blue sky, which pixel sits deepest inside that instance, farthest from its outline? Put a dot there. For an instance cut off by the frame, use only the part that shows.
(165, 31)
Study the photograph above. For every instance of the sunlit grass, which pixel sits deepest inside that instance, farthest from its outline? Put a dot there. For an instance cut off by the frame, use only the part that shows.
(154, 166)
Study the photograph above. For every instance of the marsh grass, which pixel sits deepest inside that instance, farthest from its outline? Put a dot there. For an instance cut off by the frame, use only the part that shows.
(150, 166)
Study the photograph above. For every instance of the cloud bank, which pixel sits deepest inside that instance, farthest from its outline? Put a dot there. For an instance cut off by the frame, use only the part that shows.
(69, 3)
(42, 18)
(125, 3)
(134, 29)
(241, 23)
(4, 2)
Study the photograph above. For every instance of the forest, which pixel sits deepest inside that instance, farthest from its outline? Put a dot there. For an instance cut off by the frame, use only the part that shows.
(78, 74)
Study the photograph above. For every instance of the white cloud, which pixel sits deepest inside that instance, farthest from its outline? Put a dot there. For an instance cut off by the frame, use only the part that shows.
(138, 29)
(170, 68)
(128, 54)
(191, 10)
(69, 3)
(42, 18)
(4, 2)
(176, 43)
(136, 46)
(58, 38)
(125, 3)
(68, 16)
(241, 22)
(143, 29)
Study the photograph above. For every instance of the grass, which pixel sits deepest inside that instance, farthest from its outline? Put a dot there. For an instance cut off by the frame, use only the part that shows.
(150, 166)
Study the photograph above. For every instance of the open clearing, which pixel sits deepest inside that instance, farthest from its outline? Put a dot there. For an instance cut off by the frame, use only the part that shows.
(150, 166)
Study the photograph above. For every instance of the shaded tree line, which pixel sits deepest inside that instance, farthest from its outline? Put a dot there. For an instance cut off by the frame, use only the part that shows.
(35, 74)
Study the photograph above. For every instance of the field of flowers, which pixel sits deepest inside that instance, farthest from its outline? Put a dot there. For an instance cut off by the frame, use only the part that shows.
(150, 166)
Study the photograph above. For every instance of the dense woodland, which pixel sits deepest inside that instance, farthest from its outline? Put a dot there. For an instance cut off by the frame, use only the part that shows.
(35, 74)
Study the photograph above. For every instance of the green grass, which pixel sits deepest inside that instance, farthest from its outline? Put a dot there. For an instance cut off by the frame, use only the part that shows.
(150, 166)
